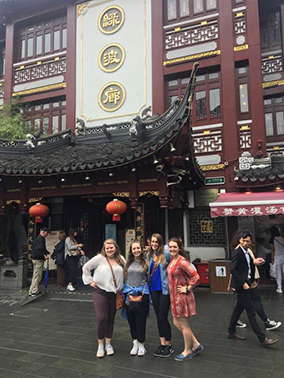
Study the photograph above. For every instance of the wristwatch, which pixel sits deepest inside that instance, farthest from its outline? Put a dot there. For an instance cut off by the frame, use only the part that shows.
(187, 290)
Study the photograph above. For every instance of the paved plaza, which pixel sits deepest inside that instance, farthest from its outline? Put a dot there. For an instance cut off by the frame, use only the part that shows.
(55, 336)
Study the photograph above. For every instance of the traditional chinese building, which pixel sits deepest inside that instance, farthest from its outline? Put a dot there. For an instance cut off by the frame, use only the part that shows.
(105, 63)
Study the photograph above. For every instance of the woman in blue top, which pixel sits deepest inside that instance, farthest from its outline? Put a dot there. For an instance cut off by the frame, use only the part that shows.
(159, 289)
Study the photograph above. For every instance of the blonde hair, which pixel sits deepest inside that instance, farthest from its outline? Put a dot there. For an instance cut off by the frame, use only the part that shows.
(117, 254)
(160, 256)
(62, 235)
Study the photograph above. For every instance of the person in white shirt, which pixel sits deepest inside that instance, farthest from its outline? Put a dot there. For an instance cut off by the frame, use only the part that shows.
(106, 280)
(277, 256)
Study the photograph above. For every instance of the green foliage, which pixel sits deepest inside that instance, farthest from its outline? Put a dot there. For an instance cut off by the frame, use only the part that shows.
(12, 122)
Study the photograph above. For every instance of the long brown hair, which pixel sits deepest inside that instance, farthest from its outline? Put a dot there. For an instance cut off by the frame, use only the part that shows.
(160, 256)
(180, 245)
(71, 235)
(117, 254)
(143, 262)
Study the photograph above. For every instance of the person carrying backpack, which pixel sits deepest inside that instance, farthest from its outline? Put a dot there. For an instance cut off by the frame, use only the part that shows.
(58, 256)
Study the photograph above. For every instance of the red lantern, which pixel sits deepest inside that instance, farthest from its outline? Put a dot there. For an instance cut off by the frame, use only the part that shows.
(38, 211)
(116, 208)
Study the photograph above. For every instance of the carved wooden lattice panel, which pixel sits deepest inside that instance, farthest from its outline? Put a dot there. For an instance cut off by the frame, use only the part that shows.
(240, 23)
(208, 143)
(191, 35)
(245, 137)
(271, 64)
(197, 217)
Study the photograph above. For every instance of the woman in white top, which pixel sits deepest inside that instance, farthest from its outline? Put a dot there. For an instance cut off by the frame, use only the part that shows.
(105, 290)
(277, 256)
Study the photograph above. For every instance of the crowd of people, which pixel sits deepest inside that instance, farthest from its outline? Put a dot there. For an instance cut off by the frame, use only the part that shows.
(160, 276)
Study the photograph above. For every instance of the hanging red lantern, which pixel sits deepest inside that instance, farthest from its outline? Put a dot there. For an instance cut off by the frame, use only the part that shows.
(116, 207)
(38, 211)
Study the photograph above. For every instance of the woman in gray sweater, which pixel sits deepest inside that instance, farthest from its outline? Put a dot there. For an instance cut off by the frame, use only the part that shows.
(137, 297)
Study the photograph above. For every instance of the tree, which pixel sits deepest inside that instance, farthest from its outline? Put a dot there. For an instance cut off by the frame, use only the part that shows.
(12, 122)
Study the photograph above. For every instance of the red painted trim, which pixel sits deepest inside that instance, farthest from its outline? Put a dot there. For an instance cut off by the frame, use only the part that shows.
(230, 130)
(71, 65)
(203, 63)
(255, 77)
(44, 96)
(158, 92)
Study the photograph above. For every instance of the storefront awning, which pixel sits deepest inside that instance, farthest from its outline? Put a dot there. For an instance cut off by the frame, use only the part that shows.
(247, 204)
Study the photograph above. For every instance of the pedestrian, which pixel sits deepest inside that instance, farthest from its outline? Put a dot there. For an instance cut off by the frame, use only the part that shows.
(39, 255)
(277, 256)
(136, 292)
(159, 290)
(256, 299)
(243, 273)
(58, 256)
(183, 278)
(73, 252)
(106, 280)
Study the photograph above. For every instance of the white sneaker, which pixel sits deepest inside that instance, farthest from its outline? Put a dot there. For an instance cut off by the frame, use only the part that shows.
(134, 349)
(240, 324)
(279, 290)
(141, 350)
(70, 288)
(109, 350)
(100, 351)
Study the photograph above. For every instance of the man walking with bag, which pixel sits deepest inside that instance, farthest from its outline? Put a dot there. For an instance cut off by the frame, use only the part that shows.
(243, 273)
(39, 255)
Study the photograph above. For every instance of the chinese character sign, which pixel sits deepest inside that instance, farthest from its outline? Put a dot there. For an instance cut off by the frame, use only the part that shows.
(238, 211)
(112, 96)
(111, 57)
(206, 226)
(111, 19)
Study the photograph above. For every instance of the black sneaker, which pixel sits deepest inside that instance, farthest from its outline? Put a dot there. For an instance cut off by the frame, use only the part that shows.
(271, 324)
(158, 351)
(167, 351)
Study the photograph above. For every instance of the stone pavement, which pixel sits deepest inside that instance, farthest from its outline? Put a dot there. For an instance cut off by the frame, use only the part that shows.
(54, 336)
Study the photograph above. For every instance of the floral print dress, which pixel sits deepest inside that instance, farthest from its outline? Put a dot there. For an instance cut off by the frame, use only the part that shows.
(181, 273)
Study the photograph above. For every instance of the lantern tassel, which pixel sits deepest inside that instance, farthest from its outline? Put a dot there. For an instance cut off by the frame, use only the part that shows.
(38, 220)
(116, 217)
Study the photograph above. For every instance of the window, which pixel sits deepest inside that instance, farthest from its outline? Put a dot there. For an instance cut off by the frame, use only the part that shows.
(207, 99)
(42, 38)
(48, 117)
(274, 118)
(270, 32)
(243, 91)
(179, 9)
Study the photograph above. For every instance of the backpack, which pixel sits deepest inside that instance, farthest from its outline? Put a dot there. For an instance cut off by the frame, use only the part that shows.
(58, 253)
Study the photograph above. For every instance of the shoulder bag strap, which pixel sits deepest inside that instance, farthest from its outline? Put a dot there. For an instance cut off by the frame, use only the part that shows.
(278, 242)
(113, 276)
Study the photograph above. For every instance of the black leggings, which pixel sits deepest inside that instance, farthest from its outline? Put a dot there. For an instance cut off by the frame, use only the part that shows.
(137, 320)
(161, 304)
(71, 269)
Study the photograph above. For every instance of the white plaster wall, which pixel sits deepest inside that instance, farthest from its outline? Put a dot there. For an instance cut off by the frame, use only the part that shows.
(206, 253)
(135, 74)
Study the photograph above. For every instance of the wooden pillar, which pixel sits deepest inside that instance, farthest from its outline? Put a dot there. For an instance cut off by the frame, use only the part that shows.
(258, 135)
(2, 198)
(133, 191)
(23, 199)
(71, 65)
(230, 131)
(9, 47)
(157, 57)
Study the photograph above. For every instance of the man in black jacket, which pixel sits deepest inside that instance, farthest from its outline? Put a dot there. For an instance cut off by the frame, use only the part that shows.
(39, 255)
(243, 271)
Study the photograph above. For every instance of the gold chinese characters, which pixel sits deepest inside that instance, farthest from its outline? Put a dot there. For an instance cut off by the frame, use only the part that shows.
(111, 57)
(111, 19)
(112, 96)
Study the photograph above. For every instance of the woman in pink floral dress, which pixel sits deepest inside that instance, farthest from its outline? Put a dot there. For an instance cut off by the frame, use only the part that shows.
(183, 277)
